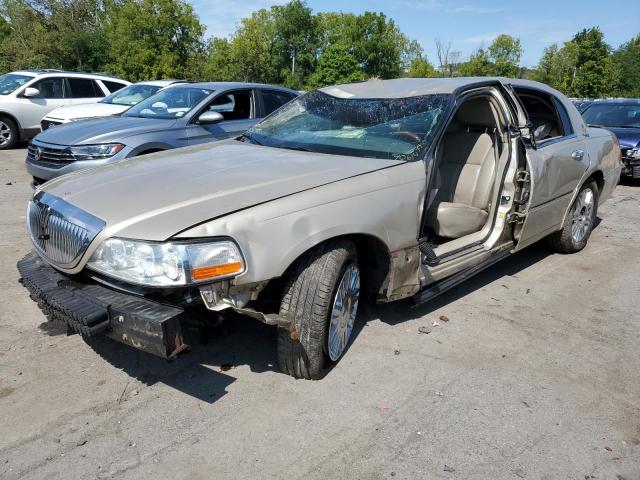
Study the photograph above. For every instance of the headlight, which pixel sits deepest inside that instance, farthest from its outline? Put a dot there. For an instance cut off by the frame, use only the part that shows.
(96, 152)
(635, 154)
(167, 264)
(82, 119)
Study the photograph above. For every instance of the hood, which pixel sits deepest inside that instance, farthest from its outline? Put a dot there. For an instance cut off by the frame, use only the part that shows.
(102, 130)
(86, 110)
(628, 137)
(155, 196)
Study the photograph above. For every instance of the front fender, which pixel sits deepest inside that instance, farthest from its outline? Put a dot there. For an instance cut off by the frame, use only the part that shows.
(384, 204)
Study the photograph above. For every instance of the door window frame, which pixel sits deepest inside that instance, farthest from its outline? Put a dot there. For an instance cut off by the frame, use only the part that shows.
(252, 96)
(559, 110)
(39, 80)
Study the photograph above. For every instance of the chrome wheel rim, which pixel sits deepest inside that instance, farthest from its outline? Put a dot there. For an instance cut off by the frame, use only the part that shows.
(5, 133)
(582, 215)
(343, 312)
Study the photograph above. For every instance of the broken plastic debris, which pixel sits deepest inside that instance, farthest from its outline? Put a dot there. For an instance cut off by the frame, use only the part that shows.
(435, 323)
(438, 393)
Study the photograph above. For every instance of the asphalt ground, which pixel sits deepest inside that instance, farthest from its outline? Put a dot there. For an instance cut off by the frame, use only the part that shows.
(533, 372)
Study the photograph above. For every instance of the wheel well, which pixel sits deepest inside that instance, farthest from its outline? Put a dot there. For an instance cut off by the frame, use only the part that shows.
(13, 119)
(597, 177)
(151, 150)
(373, 259)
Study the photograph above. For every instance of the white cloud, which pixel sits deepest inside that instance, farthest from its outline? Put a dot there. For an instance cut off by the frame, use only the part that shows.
(223, 16)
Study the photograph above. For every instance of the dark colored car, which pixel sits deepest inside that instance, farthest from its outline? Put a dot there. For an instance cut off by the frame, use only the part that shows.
(622, 117)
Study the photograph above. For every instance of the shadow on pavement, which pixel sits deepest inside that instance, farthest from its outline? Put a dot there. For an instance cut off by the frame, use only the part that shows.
(207, 370)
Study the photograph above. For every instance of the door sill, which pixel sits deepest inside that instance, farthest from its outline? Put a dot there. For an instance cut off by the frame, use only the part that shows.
(445, 284)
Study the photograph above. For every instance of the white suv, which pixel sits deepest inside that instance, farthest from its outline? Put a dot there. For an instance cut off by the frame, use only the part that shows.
(27, 96)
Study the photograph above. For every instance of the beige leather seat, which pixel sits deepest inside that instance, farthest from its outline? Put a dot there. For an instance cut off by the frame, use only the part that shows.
(465, 173)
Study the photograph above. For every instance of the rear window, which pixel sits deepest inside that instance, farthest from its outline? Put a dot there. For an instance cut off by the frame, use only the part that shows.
(84, 88)
(113, 86)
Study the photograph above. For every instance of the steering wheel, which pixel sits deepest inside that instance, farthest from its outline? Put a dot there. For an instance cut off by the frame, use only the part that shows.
(406, 133)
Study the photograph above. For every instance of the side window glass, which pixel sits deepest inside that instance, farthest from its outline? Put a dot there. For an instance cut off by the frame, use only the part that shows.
(233, 105)
(113, 86)
(543, 114)
(273, 100)
(564, 116)
(50, 88)
(84, 88)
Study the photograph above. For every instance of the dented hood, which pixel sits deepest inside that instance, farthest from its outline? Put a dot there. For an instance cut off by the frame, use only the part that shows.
(153, 197)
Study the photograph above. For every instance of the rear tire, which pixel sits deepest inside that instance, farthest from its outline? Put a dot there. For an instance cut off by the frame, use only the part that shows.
(9, 134)
(578, 224)
(316, 301)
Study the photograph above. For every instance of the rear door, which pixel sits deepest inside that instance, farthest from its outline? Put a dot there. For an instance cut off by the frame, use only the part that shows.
(238, 107)
(555, 166)
(52, 95)
(273, 100)
(83, 90)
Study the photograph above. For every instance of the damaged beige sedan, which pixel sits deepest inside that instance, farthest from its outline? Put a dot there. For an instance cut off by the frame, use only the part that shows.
(378, 191)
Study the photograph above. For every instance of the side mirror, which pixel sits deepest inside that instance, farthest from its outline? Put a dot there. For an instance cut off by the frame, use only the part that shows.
(30, 92)
(208, 118)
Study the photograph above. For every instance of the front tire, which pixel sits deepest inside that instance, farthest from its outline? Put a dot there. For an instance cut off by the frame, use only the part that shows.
(579, 222)
(321, 300)
(8, 133)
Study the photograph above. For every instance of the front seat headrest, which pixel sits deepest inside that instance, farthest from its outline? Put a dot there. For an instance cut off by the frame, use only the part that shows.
(476, 112)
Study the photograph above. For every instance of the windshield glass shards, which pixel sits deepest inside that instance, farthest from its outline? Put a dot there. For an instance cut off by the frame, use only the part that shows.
(389, 128)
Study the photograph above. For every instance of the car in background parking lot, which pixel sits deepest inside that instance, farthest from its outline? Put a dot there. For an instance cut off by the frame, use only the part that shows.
(174, 117)
(26, 96)
(622, 117)
(114, 104)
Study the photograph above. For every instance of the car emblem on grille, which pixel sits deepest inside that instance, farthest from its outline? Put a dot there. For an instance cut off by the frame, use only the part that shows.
(37, 153)
(51, 125)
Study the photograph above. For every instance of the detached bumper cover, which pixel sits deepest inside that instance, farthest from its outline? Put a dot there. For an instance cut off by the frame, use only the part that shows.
(91, 309)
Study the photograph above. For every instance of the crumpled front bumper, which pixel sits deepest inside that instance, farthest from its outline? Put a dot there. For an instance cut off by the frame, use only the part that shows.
(91, 309)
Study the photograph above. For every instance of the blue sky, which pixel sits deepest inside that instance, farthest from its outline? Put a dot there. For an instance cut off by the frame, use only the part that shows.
(467, 24)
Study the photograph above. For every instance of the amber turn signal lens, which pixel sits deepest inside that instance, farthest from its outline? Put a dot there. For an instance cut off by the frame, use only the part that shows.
(204, 273)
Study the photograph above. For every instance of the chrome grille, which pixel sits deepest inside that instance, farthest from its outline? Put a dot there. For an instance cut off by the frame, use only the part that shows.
(635, 171)
(59, 231)
(49, 156)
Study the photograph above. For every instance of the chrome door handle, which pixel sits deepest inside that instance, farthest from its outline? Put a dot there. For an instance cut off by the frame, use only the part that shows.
(577, 154)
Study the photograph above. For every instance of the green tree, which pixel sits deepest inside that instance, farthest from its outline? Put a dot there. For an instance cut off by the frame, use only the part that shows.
(154, 39)
(52, 34)
(218, 66)
(478, 65)
(504, 54)
(294, 43)
(335, 65)
(421, 68)
(626, 61)
(251, 48)
(596, 74)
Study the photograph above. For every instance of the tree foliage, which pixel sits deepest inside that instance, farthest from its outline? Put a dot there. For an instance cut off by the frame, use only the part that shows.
(286, 44)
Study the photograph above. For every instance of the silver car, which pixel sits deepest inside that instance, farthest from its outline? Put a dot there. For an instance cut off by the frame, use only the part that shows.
(177, 116)
(375, 191)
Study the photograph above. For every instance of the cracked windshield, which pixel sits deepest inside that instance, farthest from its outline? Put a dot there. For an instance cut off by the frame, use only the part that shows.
(392, 128)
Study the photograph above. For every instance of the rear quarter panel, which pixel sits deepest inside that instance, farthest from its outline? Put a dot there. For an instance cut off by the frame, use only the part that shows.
(604, 149)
